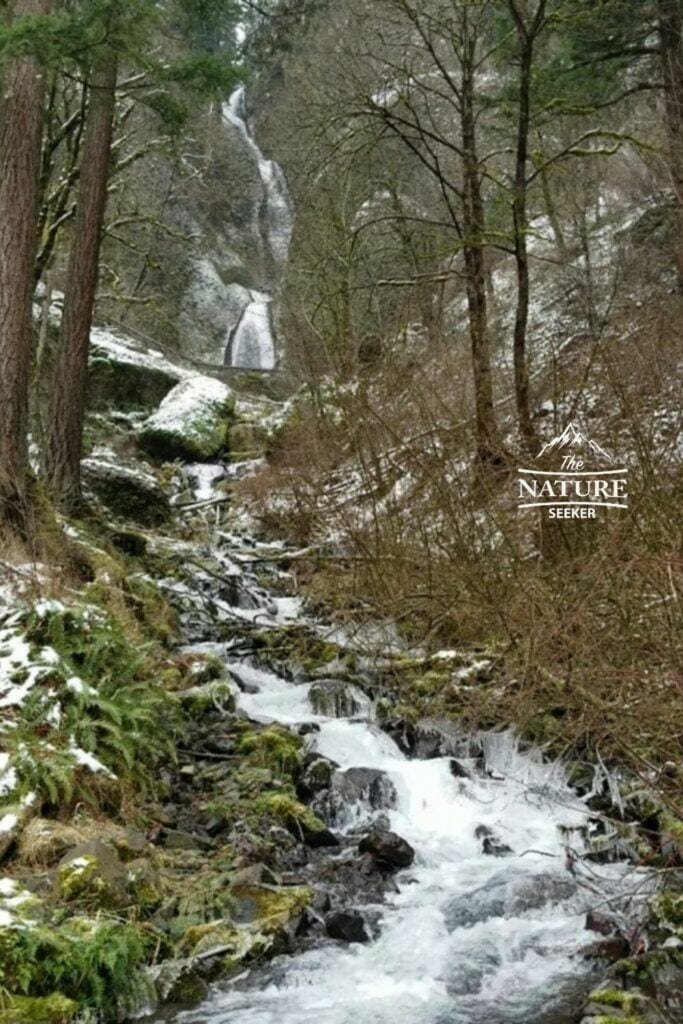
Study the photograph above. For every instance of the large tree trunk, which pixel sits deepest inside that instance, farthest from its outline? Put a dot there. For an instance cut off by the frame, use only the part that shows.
(671, 37)
(488, 438)
(64, 433)
(21, 115)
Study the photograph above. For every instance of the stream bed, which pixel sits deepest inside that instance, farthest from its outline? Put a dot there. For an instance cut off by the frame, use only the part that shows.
(487, 925)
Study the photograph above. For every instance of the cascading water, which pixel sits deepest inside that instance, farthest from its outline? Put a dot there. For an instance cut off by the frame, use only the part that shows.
(251, 344)
(469, 937)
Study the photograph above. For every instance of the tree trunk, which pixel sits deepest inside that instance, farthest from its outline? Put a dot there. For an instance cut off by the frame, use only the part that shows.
(526, 36)
(21, 116)
(488, 438)
(671, 40)
(65, 426)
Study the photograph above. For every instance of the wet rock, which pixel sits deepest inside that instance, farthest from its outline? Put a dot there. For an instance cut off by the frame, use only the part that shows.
(491, 844)
(440, 737)
(613, 948)
(458, 770)
(346, 925)
(596, 921)
(507, 895)
(365, 785)
(335, 698)
(389, 851)
(316, 777)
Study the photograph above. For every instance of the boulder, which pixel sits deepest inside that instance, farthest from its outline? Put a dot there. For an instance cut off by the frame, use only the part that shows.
(124, 375)
(316, 777)
(368, 786)
(491, 844)
(91, 874)
(336, 698)
(191, 423)
(388, 850)
(126, 491)
(347, 925)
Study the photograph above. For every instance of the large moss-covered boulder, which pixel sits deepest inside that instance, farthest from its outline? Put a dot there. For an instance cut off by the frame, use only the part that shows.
(191, 423)
(127, 491)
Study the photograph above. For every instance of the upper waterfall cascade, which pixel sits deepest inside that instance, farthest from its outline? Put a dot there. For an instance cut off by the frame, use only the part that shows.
(251, 344)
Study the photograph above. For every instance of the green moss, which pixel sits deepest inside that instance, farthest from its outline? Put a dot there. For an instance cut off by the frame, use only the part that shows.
(618, 1020)
(613, 997)
(275, 748)
(274, 907)
(286, 810)
(52, 1009)
(216, 695)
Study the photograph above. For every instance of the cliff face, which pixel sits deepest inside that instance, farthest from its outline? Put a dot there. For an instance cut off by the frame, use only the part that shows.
(205, 258)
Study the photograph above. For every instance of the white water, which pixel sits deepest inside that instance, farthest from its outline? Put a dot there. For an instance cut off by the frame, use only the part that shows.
(463, 941)
(252, 345)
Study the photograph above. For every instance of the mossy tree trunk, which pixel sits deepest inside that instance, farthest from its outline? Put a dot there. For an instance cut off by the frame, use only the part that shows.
(64, 434)
(21, 118)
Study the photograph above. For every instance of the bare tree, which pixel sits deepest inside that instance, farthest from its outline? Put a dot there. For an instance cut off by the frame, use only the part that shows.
(21, 118)
(432, 107)
(671, 41)
(529, 24)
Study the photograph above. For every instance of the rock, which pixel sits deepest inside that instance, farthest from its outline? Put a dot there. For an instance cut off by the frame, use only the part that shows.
(495, 849)
(92, 874)
(335, 698)
(254, 874)
(507, 894)
(191, 423)
(347, 925)
(215, 695)
(615, 947)
(440, 737)
(316, 777)
(366, 785)
(491, 844)
(128, 492)
(145, 884)
(387, 849)
(596, 921)
(122, 375)
(175, 839)
(268, 907)
(458, 770)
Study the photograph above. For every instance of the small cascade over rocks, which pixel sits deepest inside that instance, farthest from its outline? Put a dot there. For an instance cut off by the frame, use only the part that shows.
(251, 342)
(444, 893)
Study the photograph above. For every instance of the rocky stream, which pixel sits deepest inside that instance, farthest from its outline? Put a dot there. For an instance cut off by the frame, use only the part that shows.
(454, 879)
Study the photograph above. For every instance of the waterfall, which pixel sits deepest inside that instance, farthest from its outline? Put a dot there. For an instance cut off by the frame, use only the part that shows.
(251, 344)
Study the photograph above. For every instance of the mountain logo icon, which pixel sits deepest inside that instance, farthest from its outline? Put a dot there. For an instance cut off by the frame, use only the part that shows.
(572, 438)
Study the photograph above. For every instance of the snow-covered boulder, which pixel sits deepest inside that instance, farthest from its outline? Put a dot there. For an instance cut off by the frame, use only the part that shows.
(128, 491)
(125, 375)
(191, 423)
